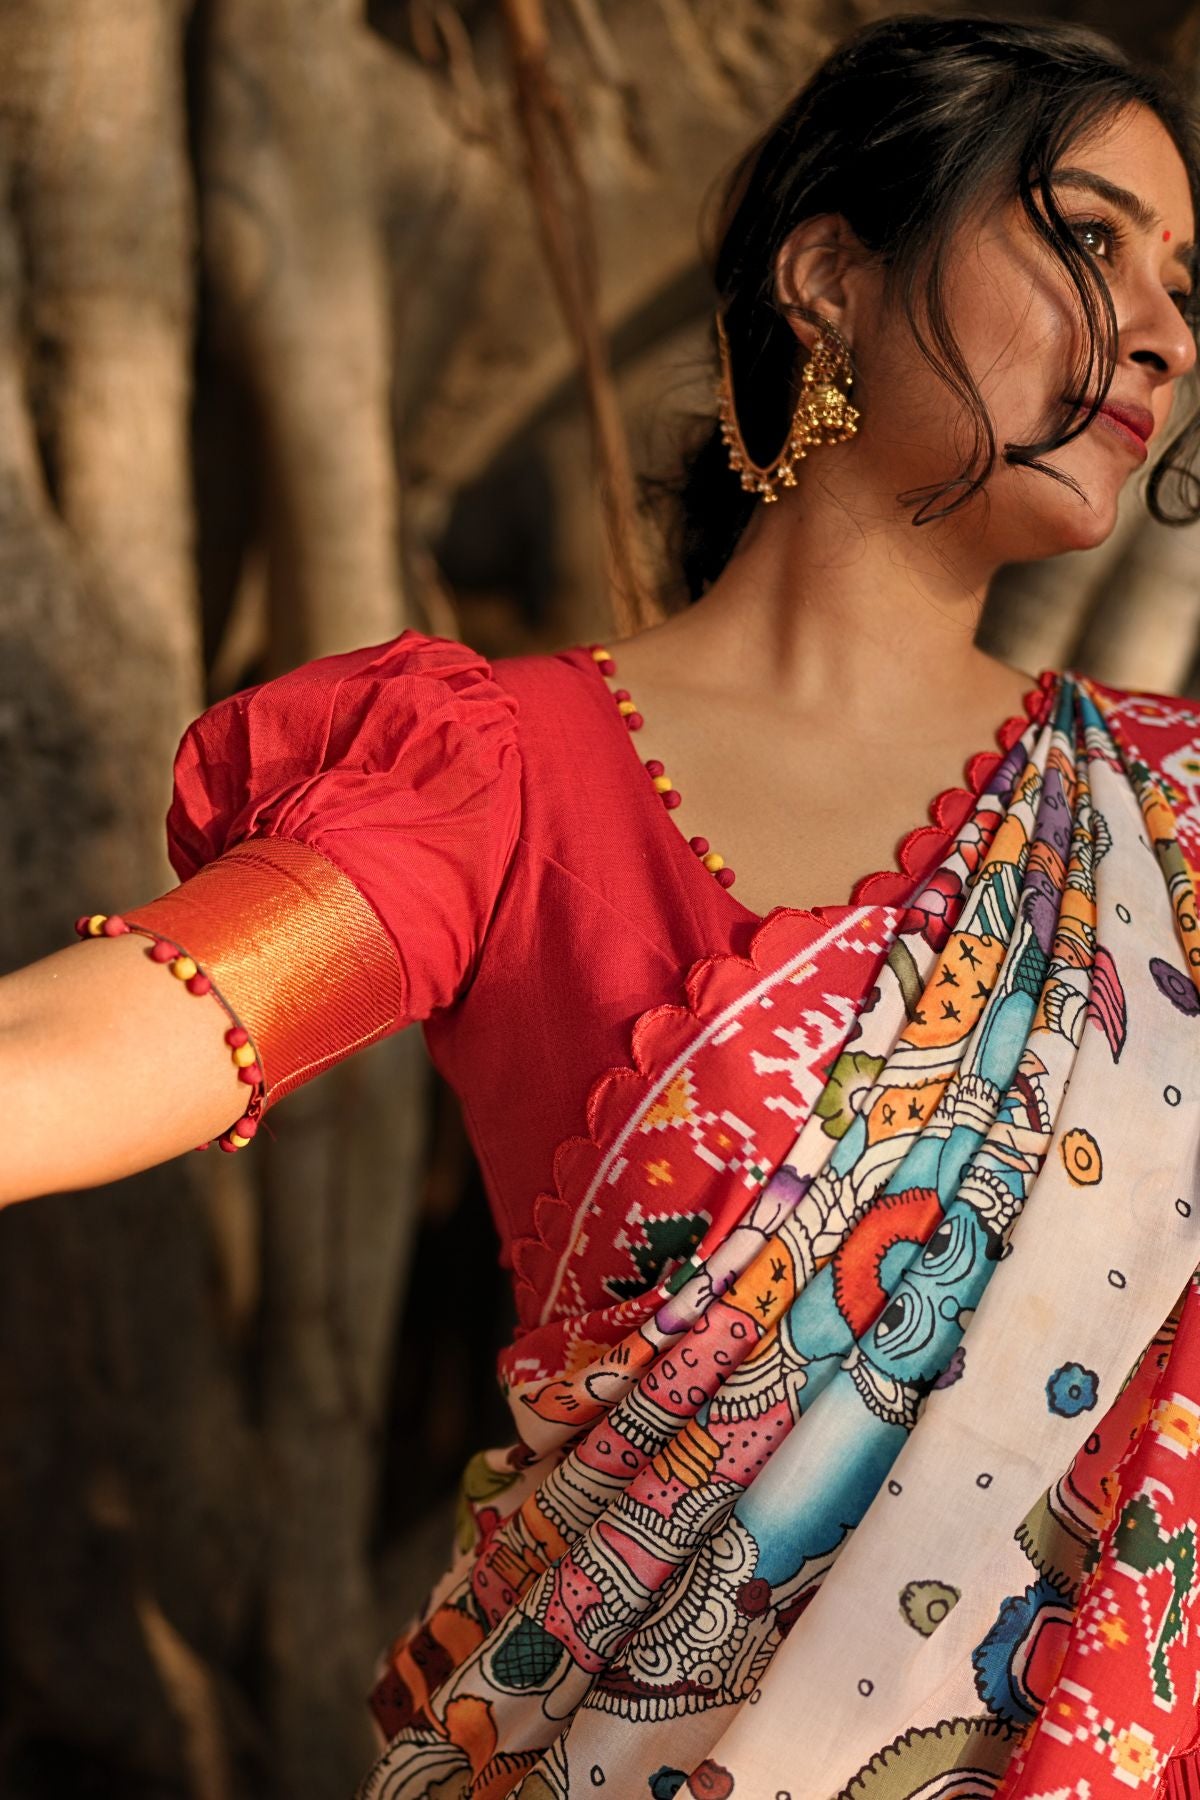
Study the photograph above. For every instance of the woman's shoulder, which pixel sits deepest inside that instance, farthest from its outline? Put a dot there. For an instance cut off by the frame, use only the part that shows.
(566, 707)
(413, 673)
(372, 752)
(532, 681)
(569, 668)
(424, 658)
(377, 756)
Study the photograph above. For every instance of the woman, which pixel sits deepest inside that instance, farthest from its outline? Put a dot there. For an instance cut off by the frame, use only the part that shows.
(857, 1381)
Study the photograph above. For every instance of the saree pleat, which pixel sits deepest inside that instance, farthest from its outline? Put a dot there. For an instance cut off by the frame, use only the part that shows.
(887, 1483)
(1183, 1777)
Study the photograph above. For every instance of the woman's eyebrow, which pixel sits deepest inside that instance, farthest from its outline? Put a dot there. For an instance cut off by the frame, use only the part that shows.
(1131, 204)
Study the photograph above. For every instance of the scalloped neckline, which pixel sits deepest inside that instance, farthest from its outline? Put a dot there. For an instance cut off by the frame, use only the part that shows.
(977, 768)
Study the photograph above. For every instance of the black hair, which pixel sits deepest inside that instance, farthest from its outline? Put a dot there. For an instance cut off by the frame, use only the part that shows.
(903, 126)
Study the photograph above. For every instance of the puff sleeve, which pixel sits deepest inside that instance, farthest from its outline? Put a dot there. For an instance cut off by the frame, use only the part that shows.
(341, 834)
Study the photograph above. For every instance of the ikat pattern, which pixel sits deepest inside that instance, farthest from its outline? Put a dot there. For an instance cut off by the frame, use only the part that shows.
(857, 1382)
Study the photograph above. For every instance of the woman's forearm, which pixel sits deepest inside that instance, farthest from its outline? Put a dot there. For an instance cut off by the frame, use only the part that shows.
(106, 1067)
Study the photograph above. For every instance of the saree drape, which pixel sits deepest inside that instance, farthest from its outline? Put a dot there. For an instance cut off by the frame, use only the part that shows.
(888, 1485)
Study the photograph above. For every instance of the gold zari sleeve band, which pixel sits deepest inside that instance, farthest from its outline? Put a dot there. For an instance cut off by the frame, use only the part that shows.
(293, 949)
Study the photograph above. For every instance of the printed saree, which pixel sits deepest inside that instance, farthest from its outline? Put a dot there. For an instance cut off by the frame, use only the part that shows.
(887, 1483)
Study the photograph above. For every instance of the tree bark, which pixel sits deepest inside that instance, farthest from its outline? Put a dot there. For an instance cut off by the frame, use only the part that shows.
(120, 1532)
(336, 230)
(296, 264)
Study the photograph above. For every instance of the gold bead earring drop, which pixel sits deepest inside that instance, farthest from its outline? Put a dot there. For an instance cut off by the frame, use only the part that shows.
(823, 413)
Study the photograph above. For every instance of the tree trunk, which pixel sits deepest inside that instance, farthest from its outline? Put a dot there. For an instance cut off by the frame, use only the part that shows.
(297, 278)
(122, 1534)
(337, 232)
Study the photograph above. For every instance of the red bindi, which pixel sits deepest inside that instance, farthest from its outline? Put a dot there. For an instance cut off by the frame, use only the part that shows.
(1166, 235)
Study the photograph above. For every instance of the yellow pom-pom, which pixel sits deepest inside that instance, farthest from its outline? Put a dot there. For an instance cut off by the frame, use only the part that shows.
(662, 783)
(239, 1143)
(599, 654)
(243, 1056)
(626, 706)
(714, 861)
(96, 924)
(183, 968)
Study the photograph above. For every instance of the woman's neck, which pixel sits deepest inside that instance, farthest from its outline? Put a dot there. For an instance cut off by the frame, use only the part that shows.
(817, 608)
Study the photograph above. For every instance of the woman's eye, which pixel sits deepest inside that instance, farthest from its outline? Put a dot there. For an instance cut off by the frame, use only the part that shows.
(1094, 227)
(1184, 298)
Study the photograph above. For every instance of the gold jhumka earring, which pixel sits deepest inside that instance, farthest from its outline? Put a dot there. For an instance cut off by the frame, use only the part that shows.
(823, 412)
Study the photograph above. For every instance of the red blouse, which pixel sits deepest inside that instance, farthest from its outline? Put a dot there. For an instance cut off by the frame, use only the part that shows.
(404, 832)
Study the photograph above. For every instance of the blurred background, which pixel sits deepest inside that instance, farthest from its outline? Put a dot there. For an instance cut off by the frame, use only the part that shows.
(319, 319)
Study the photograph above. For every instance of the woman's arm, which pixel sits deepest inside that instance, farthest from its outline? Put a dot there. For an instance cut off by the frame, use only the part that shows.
(366, 801)
(107, 1066)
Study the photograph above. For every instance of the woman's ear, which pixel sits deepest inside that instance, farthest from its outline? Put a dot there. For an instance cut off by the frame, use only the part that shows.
(814, 271)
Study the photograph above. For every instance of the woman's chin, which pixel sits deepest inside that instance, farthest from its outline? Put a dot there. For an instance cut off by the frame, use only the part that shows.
(1088, 519)
(1087, 527)
(1071, 521)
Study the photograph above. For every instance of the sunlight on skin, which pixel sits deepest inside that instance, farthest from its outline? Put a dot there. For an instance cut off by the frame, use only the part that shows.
(796, 638)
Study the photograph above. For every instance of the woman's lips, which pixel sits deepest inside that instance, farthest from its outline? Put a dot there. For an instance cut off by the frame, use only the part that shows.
(1123, 427)
(1119, 429)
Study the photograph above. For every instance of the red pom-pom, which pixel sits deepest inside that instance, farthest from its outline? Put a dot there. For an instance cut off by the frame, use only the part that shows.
(113, 926)
(162, 952)
(246, 1126)
(634, 721)
(236, 1036)
(225, 1144)
(607, 667)
(207, 1146)
(654, 767)
(672, 797)
(700, 845)
(621, 694)
(198, 983)
(251, 1074)
(726, 876)
(81, 925)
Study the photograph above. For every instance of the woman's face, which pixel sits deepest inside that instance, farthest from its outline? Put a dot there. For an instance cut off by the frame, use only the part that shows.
(1017, 320)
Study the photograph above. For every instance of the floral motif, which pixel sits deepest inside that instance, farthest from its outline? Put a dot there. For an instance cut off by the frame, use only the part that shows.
(1179, 988)
(941, 902)
(1081, 1157)
(926, 1603)
(754, 1597)
(851, 1079)
(561, 1253)
(709, 1781)
(625, 1420)
(1071, 1390)
(1017, 1663)
(954, 1368)
(1134, 1755)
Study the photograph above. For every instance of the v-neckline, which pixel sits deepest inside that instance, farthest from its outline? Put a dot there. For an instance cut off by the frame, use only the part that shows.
(982, 762)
